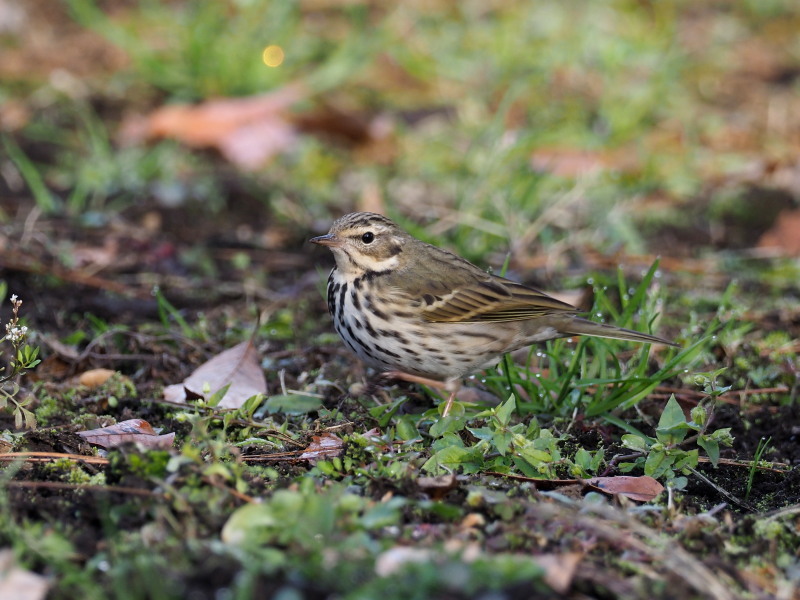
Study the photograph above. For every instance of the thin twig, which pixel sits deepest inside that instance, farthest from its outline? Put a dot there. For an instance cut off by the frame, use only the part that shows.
(60, 485)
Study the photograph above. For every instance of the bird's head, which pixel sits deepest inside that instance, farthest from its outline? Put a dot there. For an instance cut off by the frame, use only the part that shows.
(365, 242)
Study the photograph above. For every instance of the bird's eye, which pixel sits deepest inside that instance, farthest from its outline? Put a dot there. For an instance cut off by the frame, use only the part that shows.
(368, 237)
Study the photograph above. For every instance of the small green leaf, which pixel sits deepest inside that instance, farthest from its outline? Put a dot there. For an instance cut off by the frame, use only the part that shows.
(251, 404)
(505, 410)
(672, 415)
(384, 413)
(482, 433)
(217, 396)
(672, 425)
(470, 460)
(407, 428)
(657, 464)
(634, 442)
(711, 447)
(534, 457)
(723, 436)
(679, 483)
(686, 460)
(292, 404)
(502, 441)
(448, 424)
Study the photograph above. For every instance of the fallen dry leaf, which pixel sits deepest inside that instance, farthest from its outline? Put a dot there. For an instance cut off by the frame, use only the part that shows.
(640, 489)
(19, 583)
(473, 520)
(95, 377)
(247, 131)
(784, 234)
(437, 487)
(559, 569)
(132, 430)
(323, 447)
(238, 366)
(575, 162)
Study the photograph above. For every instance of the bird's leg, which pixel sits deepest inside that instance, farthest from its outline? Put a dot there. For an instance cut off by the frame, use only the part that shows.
(452, 385)
(402, 376)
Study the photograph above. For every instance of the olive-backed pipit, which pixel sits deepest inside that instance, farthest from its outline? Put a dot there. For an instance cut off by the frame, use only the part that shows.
(427, 315)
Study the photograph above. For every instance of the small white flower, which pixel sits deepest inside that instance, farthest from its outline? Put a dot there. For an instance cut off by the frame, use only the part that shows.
(15, 334)
(13, 298)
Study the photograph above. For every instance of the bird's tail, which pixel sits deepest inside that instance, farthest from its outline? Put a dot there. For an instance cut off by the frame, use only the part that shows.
(579, 326)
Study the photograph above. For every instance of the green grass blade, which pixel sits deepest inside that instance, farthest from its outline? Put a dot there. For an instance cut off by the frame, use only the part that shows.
(45, 199)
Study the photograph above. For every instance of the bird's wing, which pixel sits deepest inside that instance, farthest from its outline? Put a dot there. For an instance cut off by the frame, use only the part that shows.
(492, 301)
(473, 296)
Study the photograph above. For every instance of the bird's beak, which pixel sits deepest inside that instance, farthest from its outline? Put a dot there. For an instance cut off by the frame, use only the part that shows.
(328, 239)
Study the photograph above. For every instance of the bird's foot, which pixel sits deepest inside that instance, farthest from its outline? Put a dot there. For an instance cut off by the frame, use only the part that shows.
(451, 386)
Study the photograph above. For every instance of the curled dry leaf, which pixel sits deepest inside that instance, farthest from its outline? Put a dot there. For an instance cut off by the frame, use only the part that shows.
(239, 367)
(132, 430)
(95, 377)
(323, 447)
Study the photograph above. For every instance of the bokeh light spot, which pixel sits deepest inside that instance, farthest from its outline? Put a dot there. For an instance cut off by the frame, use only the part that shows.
(272, 56)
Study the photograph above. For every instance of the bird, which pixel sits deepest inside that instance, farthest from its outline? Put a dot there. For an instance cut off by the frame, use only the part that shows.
(420, 313)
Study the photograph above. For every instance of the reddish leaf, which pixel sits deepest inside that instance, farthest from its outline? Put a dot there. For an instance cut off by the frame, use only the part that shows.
(247, 131)
(640, 489)
(132, 430)
(322, 447)
(574, 162)
(784, 234)
(238, 366)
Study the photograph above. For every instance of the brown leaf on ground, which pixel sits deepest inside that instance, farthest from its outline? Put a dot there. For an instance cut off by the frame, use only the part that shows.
(247, 131)
(95, 377)
(437, 487)
(132, 430)
(575, 162)
(640, 489)
(559, 569)
(19, 583)
(323, 447)
(784, 234)
(238, 367)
